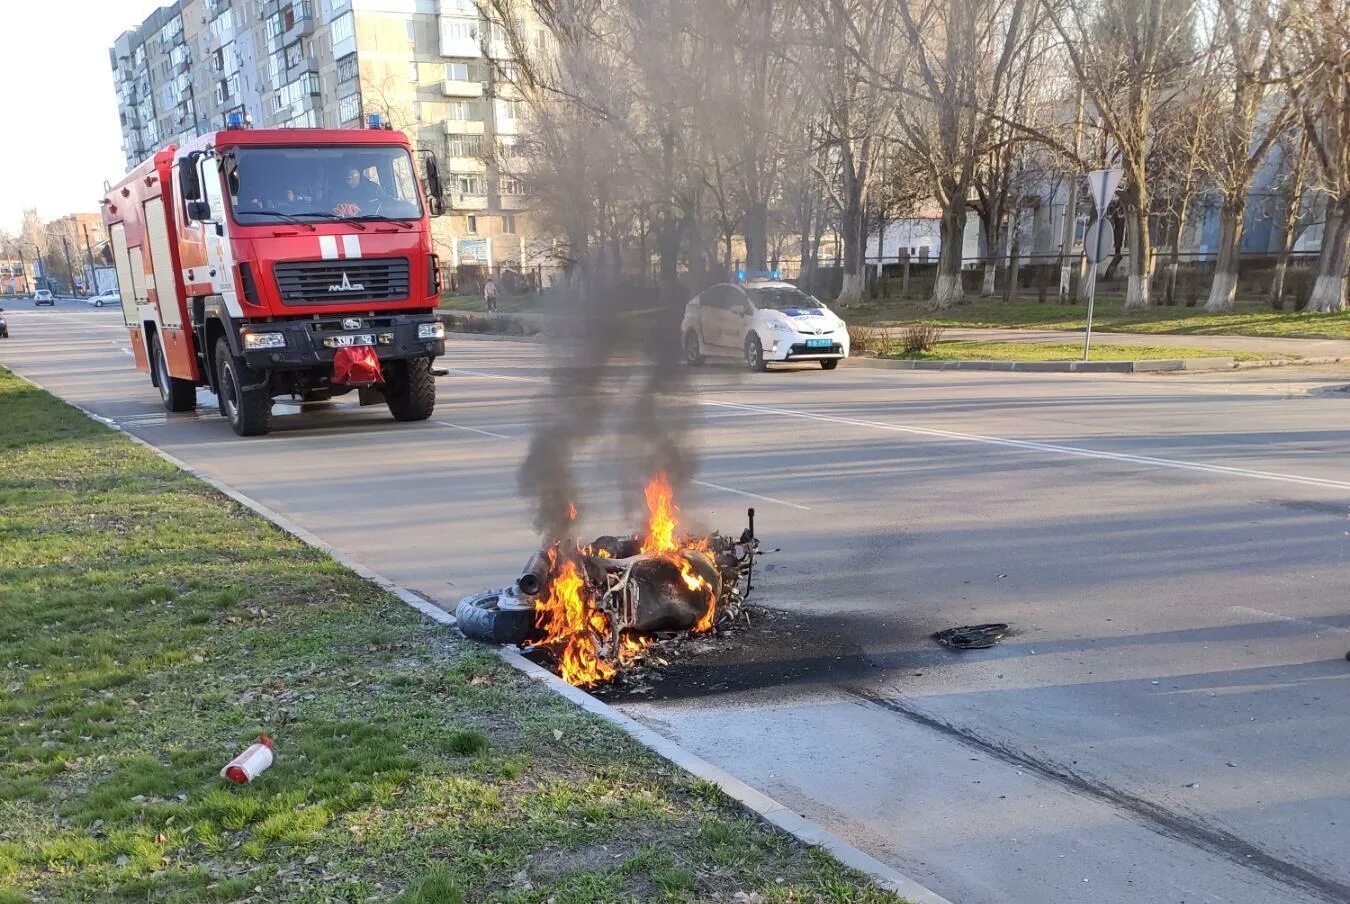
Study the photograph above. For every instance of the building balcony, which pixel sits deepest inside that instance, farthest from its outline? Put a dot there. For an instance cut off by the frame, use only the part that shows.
(513, 203)
(465, 165)
(453, 87)
(464, 127)
(507, 126)
(459, 201)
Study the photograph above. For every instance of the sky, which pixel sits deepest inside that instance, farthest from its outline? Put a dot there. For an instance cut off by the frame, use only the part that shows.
(61, 136)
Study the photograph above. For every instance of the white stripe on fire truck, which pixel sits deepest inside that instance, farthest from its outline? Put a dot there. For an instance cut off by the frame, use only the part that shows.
(351, 245)
(328, 247)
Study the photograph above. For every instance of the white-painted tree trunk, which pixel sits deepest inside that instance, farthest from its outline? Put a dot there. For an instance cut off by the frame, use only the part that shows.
(1329, 291)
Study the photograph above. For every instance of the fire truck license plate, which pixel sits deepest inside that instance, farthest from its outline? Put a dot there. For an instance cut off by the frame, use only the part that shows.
(350, 341)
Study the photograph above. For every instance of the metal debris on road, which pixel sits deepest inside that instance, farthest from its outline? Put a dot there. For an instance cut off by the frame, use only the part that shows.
(971, 637)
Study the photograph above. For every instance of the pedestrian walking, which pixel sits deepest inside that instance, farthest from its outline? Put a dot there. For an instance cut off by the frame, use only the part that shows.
(490, 294)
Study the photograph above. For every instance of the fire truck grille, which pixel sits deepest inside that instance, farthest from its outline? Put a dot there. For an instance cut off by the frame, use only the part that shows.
(339, 282)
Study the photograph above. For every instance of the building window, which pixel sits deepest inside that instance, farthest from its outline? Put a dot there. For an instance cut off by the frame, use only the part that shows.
(464, 146)
(469, 183)
(412, 71)
(417, 111)
(349, 108)
(508, 110)
(509, 224)
(471, 225)
(342, 29)
(511, 186)
(458, 30)
(346, 68)
(295, 54)
(459, 111)
(411, 30)
(457, 72)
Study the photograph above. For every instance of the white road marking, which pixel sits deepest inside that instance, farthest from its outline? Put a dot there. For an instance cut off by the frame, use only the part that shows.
(481, 373)
(1032, 446)
(718, 486)
(471, 429)
(1316, 626)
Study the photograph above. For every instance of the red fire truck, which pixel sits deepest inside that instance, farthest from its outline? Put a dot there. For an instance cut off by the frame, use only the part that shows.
(283, 262)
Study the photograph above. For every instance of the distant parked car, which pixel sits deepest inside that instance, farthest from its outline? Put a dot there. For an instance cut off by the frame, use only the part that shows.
(111, 297)
(4, 325)
(44, 296)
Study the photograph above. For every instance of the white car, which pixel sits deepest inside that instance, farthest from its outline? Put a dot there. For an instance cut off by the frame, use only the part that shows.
(105, 298)
(43, 296)
(763, 322)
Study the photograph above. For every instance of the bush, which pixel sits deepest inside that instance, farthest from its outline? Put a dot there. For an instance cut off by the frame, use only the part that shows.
(920, 338)
(867, 340)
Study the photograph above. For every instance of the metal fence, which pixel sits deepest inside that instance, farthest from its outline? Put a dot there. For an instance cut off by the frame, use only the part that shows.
(1041, 277)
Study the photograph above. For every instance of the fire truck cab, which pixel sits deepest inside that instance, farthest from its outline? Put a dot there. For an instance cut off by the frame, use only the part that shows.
(283, 262)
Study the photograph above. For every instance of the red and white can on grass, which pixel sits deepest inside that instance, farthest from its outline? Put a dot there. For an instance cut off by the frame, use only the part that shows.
(251, 763)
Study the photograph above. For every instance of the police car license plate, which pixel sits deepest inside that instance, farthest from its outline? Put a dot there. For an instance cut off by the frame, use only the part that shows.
(819, 343)
(350, 341)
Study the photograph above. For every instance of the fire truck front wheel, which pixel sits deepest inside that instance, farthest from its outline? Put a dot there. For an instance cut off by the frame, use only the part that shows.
(177, 395)
(410, 389)
(243, 393)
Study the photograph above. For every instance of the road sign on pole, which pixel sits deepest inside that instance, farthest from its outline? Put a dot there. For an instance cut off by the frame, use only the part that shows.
(1104, 183)
(1100, 238)
(1099, 241)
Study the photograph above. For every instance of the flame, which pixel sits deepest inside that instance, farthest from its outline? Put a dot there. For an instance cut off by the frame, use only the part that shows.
(630, 645)
(570, 620)
(571, 511)
(661, 518)
(695, 581)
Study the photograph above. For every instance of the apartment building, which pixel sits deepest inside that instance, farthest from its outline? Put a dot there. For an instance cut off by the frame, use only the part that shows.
(436, 69)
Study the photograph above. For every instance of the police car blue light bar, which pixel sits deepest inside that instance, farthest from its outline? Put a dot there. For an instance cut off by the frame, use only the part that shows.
(743, 275)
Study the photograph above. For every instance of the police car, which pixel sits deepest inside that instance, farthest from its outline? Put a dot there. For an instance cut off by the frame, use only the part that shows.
(762, 320)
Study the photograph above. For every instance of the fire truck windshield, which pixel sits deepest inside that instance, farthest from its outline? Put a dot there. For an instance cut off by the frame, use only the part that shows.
(320, 184)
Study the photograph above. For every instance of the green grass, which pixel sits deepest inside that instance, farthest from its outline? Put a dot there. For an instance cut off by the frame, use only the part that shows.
(1250, 319)
(963, 350)
(150, 629)
(506, 304)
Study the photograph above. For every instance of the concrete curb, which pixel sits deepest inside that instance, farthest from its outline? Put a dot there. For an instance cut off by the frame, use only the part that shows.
(1218, 362)
(764, 806)
(1290, 362)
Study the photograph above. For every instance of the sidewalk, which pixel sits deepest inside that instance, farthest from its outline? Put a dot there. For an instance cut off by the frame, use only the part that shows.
(1303, 348)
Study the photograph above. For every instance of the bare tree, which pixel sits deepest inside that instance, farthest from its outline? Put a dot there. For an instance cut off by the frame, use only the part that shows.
(961, 55)
(1249, 33)
(1316, 75)
(1291, 184)
(1125, 54)
(857, 42)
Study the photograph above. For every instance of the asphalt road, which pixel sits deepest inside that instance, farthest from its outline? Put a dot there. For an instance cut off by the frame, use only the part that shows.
(1168, 720)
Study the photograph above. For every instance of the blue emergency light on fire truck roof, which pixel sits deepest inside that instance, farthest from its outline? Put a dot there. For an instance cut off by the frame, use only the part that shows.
(743, 275)
(234, 120)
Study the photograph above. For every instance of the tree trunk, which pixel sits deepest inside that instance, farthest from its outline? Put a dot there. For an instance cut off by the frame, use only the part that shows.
(756, 236)
(1137, 288)
(947, 289)
(990, 227)
(1223, 288)
(1014, 255)
(853, 229)
(1329, 291)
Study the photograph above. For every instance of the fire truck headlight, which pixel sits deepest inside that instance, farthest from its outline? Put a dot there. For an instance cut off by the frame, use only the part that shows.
(431, 330)
(255, 341)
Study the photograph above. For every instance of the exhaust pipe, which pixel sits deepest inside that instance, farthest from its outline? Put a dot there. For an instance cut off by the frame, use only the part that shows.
(531, 581)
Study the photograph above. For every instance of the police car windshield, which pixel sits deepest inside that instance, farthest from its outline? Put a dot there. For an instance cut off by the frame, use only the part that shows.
(307, 183)
(783, 298)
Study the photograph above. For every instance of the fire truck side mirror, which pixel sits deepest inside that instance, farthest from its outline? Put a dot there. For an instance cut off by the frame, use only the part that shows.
(199, 211)
(433, 187)
(187, 179)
